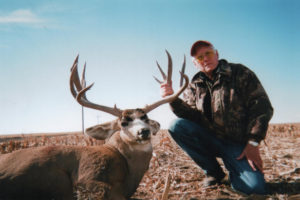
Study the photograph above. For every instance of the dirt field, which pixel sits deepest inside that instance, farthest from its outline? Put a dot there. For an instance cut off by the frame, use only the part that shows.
(281, 155)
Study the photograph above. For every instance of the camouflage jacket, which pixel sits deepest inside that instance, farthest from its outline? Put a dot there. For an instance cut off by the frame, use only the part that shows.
(234, 105)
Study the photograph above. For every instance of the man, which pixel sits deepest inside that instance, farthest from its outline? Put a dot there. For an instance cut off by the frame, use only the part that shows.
(225, 113)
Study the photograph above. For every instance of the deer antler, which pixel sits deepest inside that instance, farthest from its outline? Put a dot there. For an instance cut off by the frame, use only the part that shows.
(80, 89)
(168, 79)
(182, 71)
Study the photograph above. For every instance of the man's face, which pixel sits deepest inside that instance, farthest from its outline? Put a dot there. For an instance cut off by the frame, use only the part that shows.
(206, 59)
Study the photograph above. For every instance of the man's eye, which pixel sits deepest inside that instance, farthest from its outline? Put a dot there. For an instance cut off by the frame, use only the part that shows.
(200, 57)
(209, 53)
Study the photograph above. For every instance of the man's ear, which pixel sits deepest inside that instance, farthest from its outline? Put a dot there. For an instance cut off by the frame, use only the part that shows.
(195, 62)
(103, 131)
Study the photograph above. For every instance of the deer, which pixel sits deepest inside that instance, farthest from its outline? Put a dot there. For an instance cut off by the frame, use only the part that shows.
(110, 171)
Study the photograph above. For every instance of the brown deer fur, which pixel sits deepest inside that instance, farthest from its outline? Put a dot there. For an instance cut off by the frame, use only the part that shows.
(110, 171)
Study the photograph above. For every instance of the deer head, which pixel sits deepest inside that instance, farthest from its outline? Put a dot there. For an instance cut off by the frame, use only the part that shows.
(110, 171)
(134, 124)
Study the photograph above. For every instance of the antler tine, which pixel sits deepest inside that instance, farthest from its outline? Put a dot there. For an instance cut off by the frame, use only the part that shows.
(75, 75)
(167, 78)
(74, 79)
(73, 91)
(148, 108)
(160, 82)
(81, 90)
(83, 82)
(170, 68)
(161, 71)
(75, 62)
(182, 71)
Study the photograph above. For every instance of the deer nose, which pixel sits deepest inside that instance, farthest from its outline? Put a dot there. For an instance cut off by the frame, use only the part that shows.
(145, 132)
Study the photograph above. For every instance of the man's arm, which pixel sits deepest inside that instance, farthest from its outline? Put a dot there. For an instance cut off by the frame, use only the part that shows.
(260, 110)
(187, 108)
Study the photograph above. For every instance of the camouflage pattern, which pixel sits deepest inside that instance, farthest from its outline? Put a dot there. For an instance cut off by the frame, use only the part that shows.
(234, 105)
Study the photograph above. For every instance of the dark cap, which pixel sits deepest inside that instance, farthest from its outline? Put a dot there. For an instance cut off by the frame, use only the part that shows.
(197, 45)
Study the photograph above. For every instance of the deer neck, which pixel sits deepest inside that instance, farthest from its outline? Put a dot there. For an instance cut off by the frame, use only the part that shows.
(138, 157)
(132, 151)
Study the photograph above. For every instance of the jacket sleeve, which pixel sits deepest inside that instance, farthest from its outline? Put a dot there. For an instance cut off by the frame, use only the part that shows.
(186, 108)
(259, 108)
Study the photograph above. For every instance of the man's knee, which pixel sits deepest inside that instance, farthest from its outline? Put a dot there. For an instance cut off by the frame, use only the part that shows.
(176, 125)
(186, 129)
(251, 185)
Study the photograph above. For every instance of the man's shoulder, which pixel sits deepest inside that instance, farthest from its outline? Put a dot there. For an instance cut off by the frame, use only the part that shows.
(235, 66)
(238, 69)
(198, 77)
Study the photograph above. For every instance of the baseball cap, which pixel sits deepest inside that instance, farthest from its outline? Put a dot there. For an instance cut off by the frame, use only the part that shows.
(198, 44)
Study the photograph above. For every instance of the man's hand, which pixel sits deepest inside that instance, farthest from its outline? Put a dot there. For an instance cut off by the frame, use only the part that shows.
(252, 155)
(166, 89)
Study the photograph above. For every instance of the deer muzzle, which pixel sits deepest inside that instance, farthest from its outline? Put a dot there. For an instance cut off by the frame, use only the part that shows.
(144, 133)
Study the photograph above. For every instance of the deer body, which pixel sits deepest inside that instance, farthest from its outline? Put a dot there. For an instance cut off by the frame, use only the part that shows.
(38, 173)
(65, 168)
(112, 171)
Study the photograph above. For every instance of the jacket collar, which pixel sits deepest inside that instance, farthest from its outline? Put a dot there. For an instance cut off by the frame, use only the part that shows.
(223, 70)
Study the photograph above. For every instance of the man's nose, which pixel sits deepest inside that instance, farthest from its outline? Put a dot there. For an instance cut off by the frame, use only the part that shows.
(205, 58)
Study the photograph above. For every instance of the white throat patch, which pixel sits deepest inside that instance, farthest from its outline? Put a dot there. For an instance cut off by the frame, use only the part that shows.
(145, 146)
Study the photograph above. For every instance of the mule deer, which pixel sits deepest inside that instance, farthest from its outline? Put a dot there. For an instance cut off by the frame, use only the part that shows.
(110, 171)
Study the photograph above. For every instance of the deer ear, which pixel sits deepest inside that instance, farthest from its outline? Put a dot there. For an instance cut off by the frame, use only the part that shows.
(155, 126)
(103, 131)
(154, 133)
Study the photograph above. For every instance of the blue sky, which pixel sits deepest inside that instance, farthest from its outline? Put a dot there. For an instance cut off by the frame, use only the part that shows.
(121, 40)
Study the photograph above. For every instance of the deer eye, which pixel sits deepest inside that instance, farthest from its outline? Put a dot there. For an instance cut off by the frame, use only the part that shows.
(144, 117)
(128, 119)
(124, 123)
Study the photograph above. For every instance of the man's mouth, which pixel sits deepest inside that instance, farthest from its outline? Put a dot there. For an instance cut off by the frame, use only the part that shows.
(207, 64)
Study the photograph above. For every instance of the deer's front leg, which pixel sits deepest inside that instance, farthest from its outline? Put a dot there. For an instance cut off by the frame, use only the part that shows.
(92, 190)
(97, 190)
